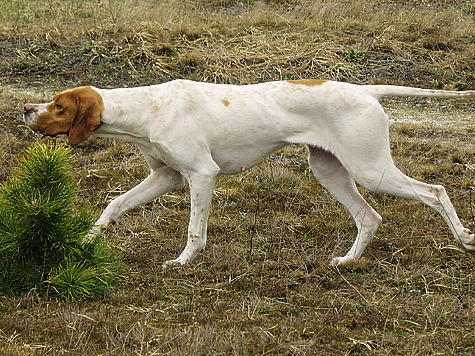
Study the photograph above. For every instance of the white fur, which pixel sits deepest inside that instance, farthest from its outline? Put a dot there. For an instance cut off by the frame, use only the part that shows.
(197, 131)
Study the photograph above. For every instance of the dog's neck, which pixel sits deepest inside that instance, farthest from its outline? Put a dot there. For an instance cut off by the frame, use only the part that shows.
(125, 114)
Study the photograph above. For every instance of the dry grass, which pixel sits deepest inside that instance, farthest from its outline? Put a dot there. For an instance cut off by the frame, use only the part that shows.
(112, 42)
(264, 284)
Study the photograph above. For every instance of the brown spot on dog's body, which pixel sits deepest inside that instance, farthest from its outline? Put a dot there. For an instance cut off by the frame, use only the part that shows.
(308, 82)
(226, 102)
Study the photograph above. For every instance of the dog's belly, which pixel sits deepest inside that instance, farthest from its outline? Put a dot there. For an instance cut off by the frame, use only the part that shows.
(244, 158)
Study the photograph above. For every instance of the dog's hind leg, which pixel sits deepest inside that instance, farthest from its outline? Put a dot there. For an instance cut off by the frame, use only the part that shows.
(368, 161)
(388, 179)
(334, 177)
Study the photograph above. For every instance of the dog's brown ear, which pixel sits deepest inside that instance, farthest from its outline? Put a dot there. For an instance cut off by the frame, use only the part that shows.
(88, 114)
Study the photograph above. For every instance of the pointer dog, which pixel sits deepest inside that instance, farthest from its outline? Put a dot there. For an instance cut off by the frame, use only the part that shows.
(197, 131)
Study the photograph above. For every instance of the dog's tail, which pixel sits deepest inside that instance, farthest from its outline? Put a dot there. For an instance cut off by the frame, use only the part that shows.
(378, 91)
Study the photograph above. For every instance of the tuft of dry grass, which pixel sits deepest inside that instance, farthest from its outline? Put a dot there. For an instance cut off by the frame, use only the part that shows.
(264, 284)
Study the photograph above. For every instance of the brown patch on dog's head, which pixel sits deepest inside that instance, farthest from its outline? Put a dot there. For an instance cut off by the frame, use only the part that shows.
(308, 82)
(76, 113)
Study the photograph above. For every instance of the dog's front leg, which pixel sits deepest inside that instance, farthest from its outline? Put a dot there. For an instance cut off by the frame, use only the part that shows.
(160, 181)
(201, 189)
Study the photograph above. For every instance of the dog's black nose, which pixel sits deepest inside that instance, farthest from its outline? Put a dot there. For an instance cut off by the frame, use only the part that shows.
(29, 108)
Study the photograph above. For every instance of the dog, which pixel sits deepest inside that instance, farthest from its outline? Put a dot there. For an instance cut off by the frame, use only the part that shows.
(197, 131)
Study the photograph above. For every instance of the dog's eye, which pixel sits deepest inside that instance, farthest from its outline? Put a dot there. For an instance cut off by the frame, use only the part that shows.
(58, 107)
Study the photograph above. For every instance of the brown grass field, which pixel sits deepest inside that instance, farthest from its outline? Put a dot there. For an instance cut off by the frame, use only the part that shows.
(264, 284)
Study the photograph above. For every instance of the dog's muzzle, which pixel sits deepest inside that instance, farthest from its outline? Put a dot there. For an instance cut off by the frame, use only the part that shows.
(29, 113)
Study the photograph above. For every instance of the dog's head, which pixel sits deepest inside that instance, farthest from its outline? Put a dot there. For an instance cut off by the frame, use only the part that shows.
(76, 113)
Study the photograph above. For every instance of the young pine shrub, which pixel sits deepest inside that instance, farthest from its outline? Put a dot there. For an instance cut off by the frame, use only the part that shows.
(43, 244)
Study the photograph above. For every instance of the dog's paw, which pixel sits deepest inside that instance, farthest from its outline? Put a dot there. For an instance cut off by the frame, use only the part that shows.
(174, 263)
(342, 261)
(91, 235)
(101, 224)
(468, 240)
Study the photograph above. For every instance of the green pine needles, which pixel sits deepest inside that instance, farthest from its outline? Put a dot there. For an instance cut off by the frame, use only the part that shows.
(43, 244)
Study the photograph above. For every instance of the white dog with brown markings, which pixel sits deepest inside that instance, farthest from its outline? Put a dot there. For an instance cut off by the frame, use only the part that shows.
(198, 131)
